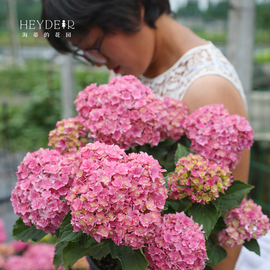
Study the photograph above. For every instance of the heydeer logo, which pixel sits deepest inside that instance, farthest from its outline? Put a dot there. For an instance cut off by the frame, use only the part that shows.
(46, 24)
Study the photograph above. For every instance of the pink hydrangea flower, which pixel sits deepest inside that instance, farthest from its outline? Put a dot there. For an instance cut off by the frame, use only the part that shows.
(44, 178)
(244, 223)
(19, 246)
(217, 135)
(199, 179)
(173, 114)
(13, 262)
(116, 196)
(178, 244)
(37, 257)
(3, 233)
(42, 255)
(124, 112)
(68, 136)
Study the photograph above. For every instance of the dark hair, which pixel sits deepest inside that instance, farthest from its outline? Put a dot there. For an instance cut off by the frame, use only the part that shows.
(109, 15)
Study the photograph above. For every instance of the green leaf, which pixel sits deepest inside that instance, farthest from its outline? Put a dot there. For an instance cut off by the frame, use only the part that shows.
(181, 151)
(207, 215)
(130, 259)
(24, 233)
(167, 165)
(253, 245)
(219, 226)
(215, 253)
(166, 181)
(100, 250)
(66, 231)
(57, 259)
(208, 267)
(66, 234)
(180, 205)
(159, 151)
(233, 196)
(72, 253)
(165, 144)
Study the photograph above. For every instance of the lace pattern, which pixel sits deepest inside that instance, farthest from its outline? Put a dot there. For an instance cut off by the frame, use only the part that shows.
(195, 63)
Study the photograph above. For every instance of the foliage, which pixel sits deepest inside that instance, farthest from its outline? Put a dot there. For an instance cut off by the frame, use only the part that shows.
(263, 16)
(29, 124)
(30, 119)
(214, 12)
(26, 10)
(262, 56)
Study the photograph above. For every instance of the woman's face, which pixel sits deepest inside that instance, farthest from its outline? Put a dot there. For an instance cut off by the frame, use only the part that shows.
(125, 53)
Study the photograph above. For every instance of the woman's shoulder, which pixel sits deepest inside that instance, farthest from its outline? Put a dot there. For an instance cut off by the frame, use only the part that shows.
(195, 63)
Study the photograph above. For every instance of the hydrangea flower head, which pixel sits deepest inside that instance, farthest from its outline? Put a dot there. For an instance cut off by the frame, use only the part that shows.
(124, 112)
(244, 223)
(173, 115)
(44, 178)
(217, 135)
(178, 244)
(68, 136)
(199, 179)
(116, 196)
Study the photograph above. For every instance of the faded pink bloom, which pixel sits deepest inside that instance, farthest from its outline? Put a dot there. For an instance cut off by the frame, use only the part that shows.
(179, 243)
(217, 135)
(68, 136)
(244, 223)
(199, 179)
(38, 195)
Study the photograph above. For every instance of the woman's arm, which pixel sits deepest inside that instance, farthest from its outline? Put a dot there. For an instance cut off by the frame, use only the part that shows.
(213, 89)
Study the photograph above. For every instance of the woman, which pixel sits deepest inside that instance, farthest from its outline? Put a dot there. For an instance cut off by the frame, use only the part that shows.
(139, 37)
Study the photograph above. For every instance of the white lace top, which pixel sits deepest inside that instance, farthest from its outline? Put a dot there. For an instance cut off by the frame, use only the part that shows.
(195, 63)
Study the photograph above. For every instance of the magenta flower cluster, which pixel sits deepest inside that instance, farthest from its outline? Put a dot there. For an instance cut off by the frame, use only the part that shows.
(173, 115)
(217, 135)
(199, 179)
(124, 112)
(178, 244)
(116, 196)
(44, 177)
(68, 136)
(244, 223)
